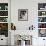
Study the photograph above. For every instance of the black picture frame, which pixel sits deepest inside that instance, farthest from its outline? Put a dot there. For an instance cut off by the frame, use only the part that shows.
(22, 14)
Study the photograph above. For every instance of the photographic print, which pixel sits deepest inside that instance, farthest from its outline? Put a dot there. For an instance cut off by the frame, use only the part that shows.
(22, 14)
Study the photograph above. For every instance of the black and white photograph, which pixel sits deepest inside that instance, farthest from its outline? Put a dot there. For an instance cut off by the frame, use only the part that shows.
(22, 14)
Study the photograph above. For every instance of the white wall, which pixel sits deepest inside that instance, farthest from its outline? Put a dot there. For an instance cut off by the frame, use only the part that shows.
(32, 13)
(32, 6)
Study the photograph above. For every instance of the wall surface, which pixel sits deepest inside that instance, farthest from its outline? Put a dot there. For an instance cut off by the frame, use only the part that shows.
(32, 13)
(32, 6)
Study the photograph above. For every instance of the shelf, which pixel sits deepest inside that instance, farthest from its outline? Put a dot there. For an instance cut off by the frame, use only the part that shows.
(41, 10)
(3, 22)
(41, 28)
(42, 16)
(3, 16)
(3, 10)
(42, 19)
(41, 22)
(4, 19)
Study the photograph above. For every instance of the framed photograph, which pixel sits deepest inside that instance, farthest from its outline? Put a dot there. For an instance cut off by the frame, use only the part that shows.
(22, 14)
